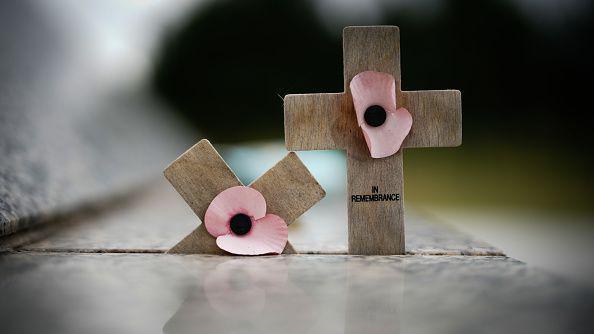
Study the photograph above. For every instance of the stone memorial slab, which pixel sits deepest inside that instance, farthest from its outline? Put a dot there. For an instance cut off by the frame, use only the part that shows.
(158, 293)
(156, 219)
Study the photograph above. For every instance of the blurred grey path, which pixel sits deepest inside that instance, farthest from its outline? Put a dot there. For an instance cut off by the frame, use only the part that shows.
(76, 125)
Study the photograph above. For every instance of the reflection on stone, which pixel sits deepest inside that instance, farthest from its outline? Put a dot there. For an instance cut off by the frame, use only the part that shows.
(373, 305)
(144, 293)
(245, 294)
(268, 294)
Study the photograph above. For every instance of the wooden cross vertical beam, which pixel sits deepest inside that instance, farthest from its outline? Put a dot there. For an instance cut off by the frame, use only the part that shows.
(374, 227)
(328, 121)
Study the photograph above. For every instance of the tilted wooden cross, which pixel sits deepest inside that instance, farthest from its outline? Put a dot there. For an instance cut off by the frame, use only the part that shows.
(200, 174)
(328, 122)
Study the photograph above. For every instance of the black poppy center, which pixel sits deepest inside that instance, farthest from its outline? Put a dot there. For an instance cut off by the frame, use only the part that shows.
(240, 224)
(375, 116)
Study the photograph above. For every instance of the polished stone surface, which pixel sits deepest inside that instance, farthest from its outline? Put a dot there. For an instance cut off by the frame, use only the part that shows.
(157, 218)
(154, 293)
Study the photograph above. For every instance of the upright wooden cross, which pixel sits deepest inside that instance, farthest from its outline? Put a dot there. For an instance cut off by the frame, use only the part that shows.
(328, 121)
(200, 174)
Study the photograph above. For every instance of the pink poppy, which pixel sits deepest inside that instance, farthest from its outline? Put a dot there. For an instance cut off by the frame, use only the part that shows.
(237, 218)
(384, 126)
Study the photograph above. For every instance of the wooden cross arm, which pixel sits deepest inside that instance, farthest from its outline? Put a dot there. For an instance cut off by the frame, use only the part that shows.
(289, 188)
(199, 175)
(315, 122)
(327, 121)
(437, 118)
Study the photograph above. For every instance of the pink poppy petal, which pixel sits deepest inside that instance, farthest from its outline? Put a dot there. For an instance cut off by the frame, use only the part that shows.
(267, 236)
(385, 140)
(229, 202)
(375, 88)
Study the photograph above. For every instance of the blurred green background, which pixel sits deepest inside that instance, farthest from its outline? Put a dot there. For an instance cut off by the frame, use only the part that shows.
(524, 68)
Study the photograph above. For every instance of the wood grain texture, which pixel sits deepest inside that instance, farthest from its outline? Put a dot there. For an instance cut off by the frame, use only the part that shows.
(328, 121)
(197, 242)
(289, 188)
(437, 118)
(374, 227)
(200, 174)
(375, 48)
(322, 112)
